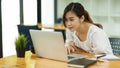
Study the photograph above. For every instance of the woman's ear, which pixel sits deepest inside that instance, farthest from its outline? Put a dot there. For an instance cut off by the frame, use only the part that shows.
(82, 19)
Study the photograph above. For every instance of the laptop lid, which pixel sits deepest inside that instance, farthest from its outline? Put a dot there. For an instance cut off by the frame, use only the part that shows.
(49, 44)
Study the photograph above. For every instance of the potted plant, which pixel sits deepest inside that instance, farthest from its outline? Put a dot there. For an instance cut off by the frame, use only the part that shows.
(20, 44)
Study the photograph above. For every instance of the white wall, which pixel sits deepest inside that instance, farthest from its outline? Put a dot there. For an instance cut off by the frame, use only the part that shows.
(112, 29)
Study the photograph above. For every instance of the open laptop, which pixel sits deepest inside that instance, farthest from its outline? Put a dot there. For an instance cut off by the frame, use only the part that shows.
(50, 44)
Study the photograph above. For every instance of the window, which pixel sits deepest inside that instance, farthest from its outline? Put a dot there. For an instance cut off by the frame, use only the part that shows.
(10, 18)
(30, 12)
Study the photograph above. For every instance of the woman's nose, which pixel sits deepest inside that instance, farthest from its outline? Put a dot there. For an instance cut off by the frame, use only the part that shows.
(68, 23)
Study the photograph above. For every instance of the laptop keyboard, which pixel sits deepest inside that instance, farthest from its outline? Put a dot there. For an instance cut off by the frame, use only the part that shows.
(75, 56)
(70, 57)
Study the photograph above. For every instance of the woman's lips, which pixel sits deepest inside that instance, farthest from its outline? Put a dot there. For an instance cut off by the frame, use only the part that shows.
(70, 28)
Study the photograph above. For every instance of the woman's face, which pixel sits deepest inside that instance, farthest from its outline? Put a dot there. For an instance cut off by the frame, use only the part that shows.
(72, 21)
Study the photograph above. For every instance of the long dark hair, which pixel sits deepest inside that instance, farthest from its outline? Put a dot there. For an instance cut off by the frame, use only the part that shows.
(79, 10)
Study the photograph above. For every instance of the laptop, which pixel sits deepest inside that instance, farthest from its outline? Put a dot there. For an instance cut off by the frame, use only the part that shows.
(50, 44)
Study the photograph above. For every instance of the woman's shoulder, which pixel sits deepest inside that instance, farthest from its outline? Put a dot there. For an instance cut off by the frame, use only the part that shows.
(98, 25)
(94, 29)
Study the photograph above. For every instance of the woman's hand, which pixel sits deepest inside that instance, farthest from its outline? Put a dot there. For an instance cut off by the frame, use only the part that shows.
(71, 47)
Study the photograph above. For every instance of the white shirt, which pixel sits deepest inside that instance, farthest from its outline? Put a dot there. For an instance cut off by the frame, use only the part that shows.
(96, 42)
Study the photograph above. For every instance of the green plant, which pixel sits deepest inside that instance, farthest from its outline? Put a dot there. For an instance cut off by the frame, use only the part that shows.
(21, 41)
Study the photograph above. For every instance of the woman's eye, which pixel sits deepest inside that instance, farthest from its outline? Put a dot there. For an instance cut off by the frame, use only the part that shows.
(71, 19)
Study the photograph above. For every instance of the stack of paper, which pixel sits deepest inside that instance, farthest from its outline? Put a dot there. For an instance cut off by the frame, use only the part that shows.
(110, 57)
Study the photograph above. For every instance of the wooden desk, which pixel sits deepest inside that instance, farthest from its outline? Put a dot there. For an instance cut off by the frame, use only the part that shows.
(32, 61)
(56, 27)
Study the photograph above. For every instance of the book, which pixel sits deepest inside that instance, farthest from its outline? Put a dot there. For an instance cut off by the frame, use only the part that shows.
(81, 63)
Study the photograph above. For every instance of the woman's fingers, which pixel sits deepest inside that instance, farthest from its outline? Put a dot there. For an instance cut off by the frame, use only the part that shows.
(73, 45)
(70, 49)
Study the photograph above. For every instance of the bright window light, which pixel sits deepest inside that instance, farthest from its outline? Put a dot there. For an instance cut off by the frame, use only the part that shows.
(47, 13)
(10, 19)
(30, 12)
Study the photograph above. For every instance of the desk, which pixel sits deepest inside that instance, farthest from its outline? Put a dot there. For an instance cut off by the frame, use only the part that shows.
(56, 27)
(32, 61)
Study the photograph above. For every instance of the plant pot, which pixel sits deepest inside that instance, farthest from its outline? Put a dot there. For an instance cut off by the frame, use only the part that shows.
(20, 52)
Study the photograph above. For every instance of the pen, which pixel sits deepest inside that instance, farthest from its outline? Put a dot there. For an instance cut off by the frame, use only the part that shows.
(101, 56)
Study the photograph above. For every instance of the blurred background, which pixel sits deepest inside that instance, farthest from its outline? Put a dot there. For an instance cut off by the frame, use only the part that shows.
(48, 13)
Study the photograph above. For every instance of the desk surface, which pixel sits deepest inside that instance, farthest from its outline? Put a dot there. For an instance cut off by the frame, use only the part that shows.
(32, 61)
(56, 26)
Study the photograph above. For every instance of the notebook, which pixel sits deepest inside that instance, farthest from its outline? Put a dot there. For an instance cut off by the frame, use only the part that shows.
(81, 63)
(50, 44)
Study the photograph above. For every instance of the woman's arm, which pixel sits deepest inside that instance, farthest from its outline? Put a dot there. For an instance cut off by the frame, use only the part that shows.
(69, 43)
(68, 37)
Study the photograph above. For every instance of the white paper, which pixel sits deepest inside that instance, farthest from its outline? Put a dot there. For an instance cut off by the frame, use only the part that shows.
(110, 57)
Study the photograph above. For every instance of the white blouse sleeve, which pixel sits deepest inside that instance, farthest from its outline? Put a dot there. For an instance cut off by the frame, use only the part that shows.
(101, 43)
(69, 37)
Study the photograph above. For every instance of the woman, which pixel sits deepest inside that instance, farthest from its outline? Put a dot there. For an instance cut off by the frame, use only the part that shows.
(82, 33)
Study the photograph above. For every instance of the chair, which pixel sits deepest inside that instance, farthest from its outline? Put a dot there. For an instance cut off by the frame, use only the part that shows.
(115, 44)
(24, 29)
